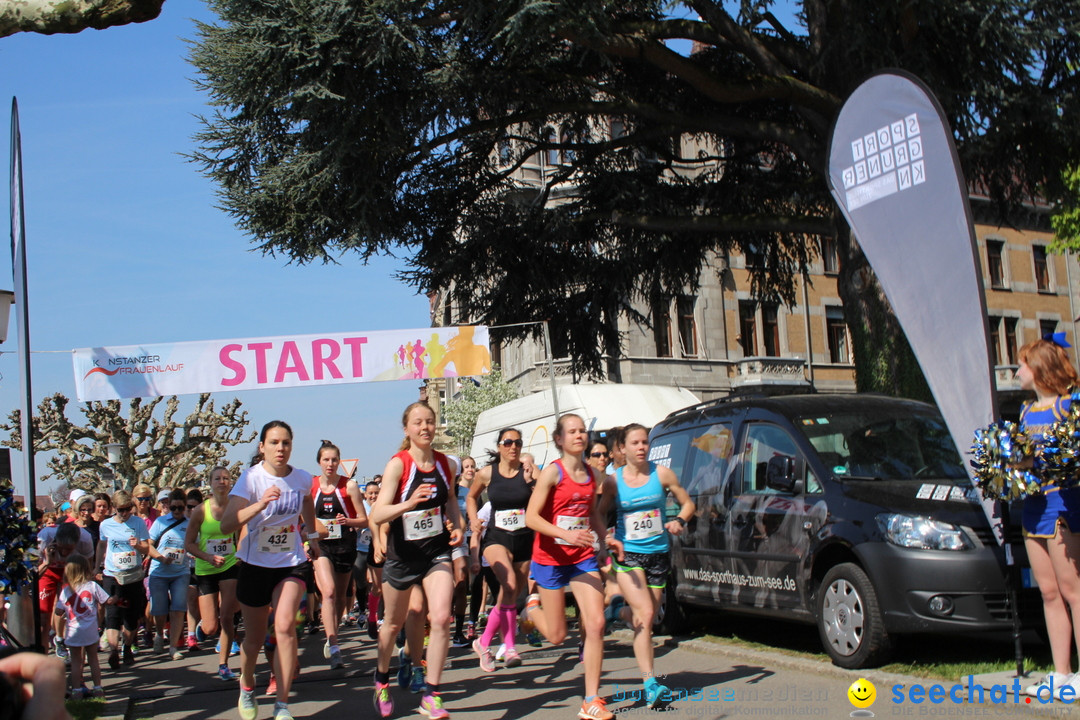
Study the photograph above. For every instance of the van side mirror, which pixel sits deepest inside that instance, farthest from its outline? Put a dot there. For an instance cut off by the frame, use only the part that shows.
(780, 473)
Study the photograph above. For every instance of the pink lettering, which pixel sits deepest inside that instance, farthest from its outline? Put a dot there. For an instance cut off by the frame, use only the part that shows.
(323, 355)
(260, 360)
(225, 358)
(357, 359)
(290, 362)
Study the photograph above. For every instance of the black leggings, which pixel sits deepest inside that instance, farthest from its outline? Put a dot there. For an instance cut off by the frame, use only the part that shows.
(487, 574)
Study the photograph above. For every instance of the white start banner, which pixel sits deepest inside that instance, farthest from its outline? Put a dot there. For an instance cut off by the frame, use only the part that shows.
(111, 373)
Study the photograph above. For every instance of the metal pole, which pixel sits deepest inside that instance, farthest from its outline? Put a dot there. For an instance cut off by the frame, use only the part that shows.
(806, 325)
(551, 369)
(22, 316)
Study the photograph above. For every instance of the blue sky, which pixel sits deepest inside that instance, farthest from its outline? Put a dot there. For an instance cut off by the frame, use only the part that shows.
(125, 245)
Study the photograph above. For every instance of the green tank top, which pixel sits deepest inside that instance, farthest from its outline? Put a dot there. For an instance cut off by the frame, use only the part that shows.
(214, 542)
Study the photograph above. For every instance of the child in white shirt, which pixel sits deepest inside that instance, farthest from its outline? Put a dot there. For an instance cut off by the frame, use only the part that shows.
(80, 599)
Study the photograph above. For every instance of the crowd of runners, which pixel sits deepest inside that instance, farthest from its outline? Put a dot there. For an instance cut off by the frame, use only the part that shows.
(435, 552)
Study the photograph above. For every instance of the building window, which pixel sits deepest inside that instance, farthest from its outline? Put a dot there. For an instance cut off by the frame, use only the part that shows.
(1047, 327)
(662, 330)
(754, 257)
(506, 152)
(995, 262)
(770, 330)
(748, 328)
(1042, 268)
(551, 154)
(569, 154)
(560, 343)
(829, 259)
(1010, 341)
(687, 325)
(995, 339)
(837, 335)
(1003, 339)
(447, 309)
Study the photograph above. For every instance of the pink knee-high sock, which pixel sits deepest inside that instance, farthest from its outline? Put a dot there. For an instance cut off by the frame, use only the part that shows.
(509, 631)
(494, 621)
(372, 606)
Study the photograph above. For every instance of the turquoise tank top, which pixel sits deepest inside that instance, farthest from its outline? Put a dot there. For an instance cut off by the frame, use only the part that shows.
(639, 524)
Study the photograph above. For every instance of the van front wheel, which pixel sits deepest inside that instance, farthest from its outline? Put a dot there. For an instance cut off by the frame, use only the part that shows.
(849, 619)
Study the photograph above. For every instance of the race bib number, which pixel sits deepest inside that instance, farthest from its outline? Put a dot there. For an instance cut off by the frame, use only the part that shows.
(220, 546)
(510, 520)
(643, 524)
(333, 527)
(126, 560)
(175, 555)
(571, 523)
(277, 539)
(364, 538)
(421, 524)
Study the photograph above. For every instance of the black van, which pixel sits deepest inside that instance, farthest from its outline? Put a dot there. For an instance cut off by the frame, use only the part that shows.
(853, 512)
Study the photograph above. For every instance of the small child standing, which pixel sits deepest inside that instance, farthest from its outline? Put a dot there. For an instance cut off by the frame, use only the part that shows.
(80, 599)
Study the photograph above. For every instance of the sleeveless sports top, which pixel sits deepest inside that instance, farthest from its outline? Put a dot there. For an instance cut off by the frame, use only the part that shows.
(420, 534)
(639, 522)
(214, 542)
(328, 506)
(569, 506)
(509, 496)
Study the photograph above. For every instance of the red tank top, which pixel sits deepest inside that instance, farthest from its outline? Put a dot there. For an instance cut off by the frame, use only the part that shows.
(570, 501)
(343, 497)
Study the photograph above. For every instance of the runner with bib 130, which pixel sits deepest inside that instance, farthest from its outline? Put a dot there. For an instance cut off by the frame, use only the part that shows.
(216, 569)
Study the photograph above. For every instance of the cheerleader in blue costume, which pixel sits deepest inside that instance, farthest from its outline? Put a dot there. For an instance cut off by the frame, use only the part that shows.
(1051, 520)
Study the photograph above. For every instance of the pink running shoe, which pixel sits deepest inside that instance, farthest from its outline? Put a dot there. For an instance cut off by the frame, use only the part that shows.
(431, 705)
(384, 704)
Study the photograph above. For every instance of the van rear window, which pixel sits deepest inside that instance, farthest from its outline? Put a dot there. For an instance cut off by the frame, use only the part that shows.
(892, 445)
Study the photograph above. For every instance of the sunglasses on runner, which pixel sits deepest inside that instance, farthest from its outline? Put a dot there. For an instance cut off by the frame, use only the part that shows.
(510, 443)
(598, 454)
(144, 499)
(126, 508)
(174, 508)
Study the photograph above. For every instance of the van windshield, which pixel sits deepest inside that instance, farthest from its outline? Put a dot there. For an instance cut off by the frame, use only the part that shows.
(890, 443)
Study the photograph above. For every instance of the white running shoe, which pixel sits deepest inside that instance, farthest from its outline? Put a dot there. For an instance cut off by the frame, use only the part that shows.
(1050, 684)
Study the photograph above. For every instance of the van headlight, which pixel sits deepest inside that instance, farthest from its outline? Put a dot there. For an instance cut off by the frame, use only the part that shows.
(923, 533)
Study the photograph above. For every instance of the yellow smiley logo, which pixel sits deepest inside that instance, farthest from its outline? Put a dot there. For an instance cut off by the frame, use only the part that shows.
(862, 693)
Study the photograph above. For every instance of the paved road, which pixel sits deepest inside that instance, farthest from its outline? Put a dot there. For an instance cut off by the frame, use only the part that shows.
(711, 681)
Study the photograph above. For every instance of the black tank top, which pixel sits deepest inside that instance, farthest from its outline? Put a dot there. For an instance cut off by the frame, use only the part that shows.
(328, 505)
(508, 493)
(424, 548)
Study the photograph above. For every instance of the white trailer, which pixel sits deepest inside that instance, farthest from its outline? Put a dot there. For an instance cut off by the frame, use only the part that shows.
(601, 406)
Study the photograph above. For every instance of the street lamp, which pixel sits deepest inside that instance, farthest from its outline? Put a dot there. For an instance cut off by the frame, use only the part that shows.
(113, 451)
(7, 299)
